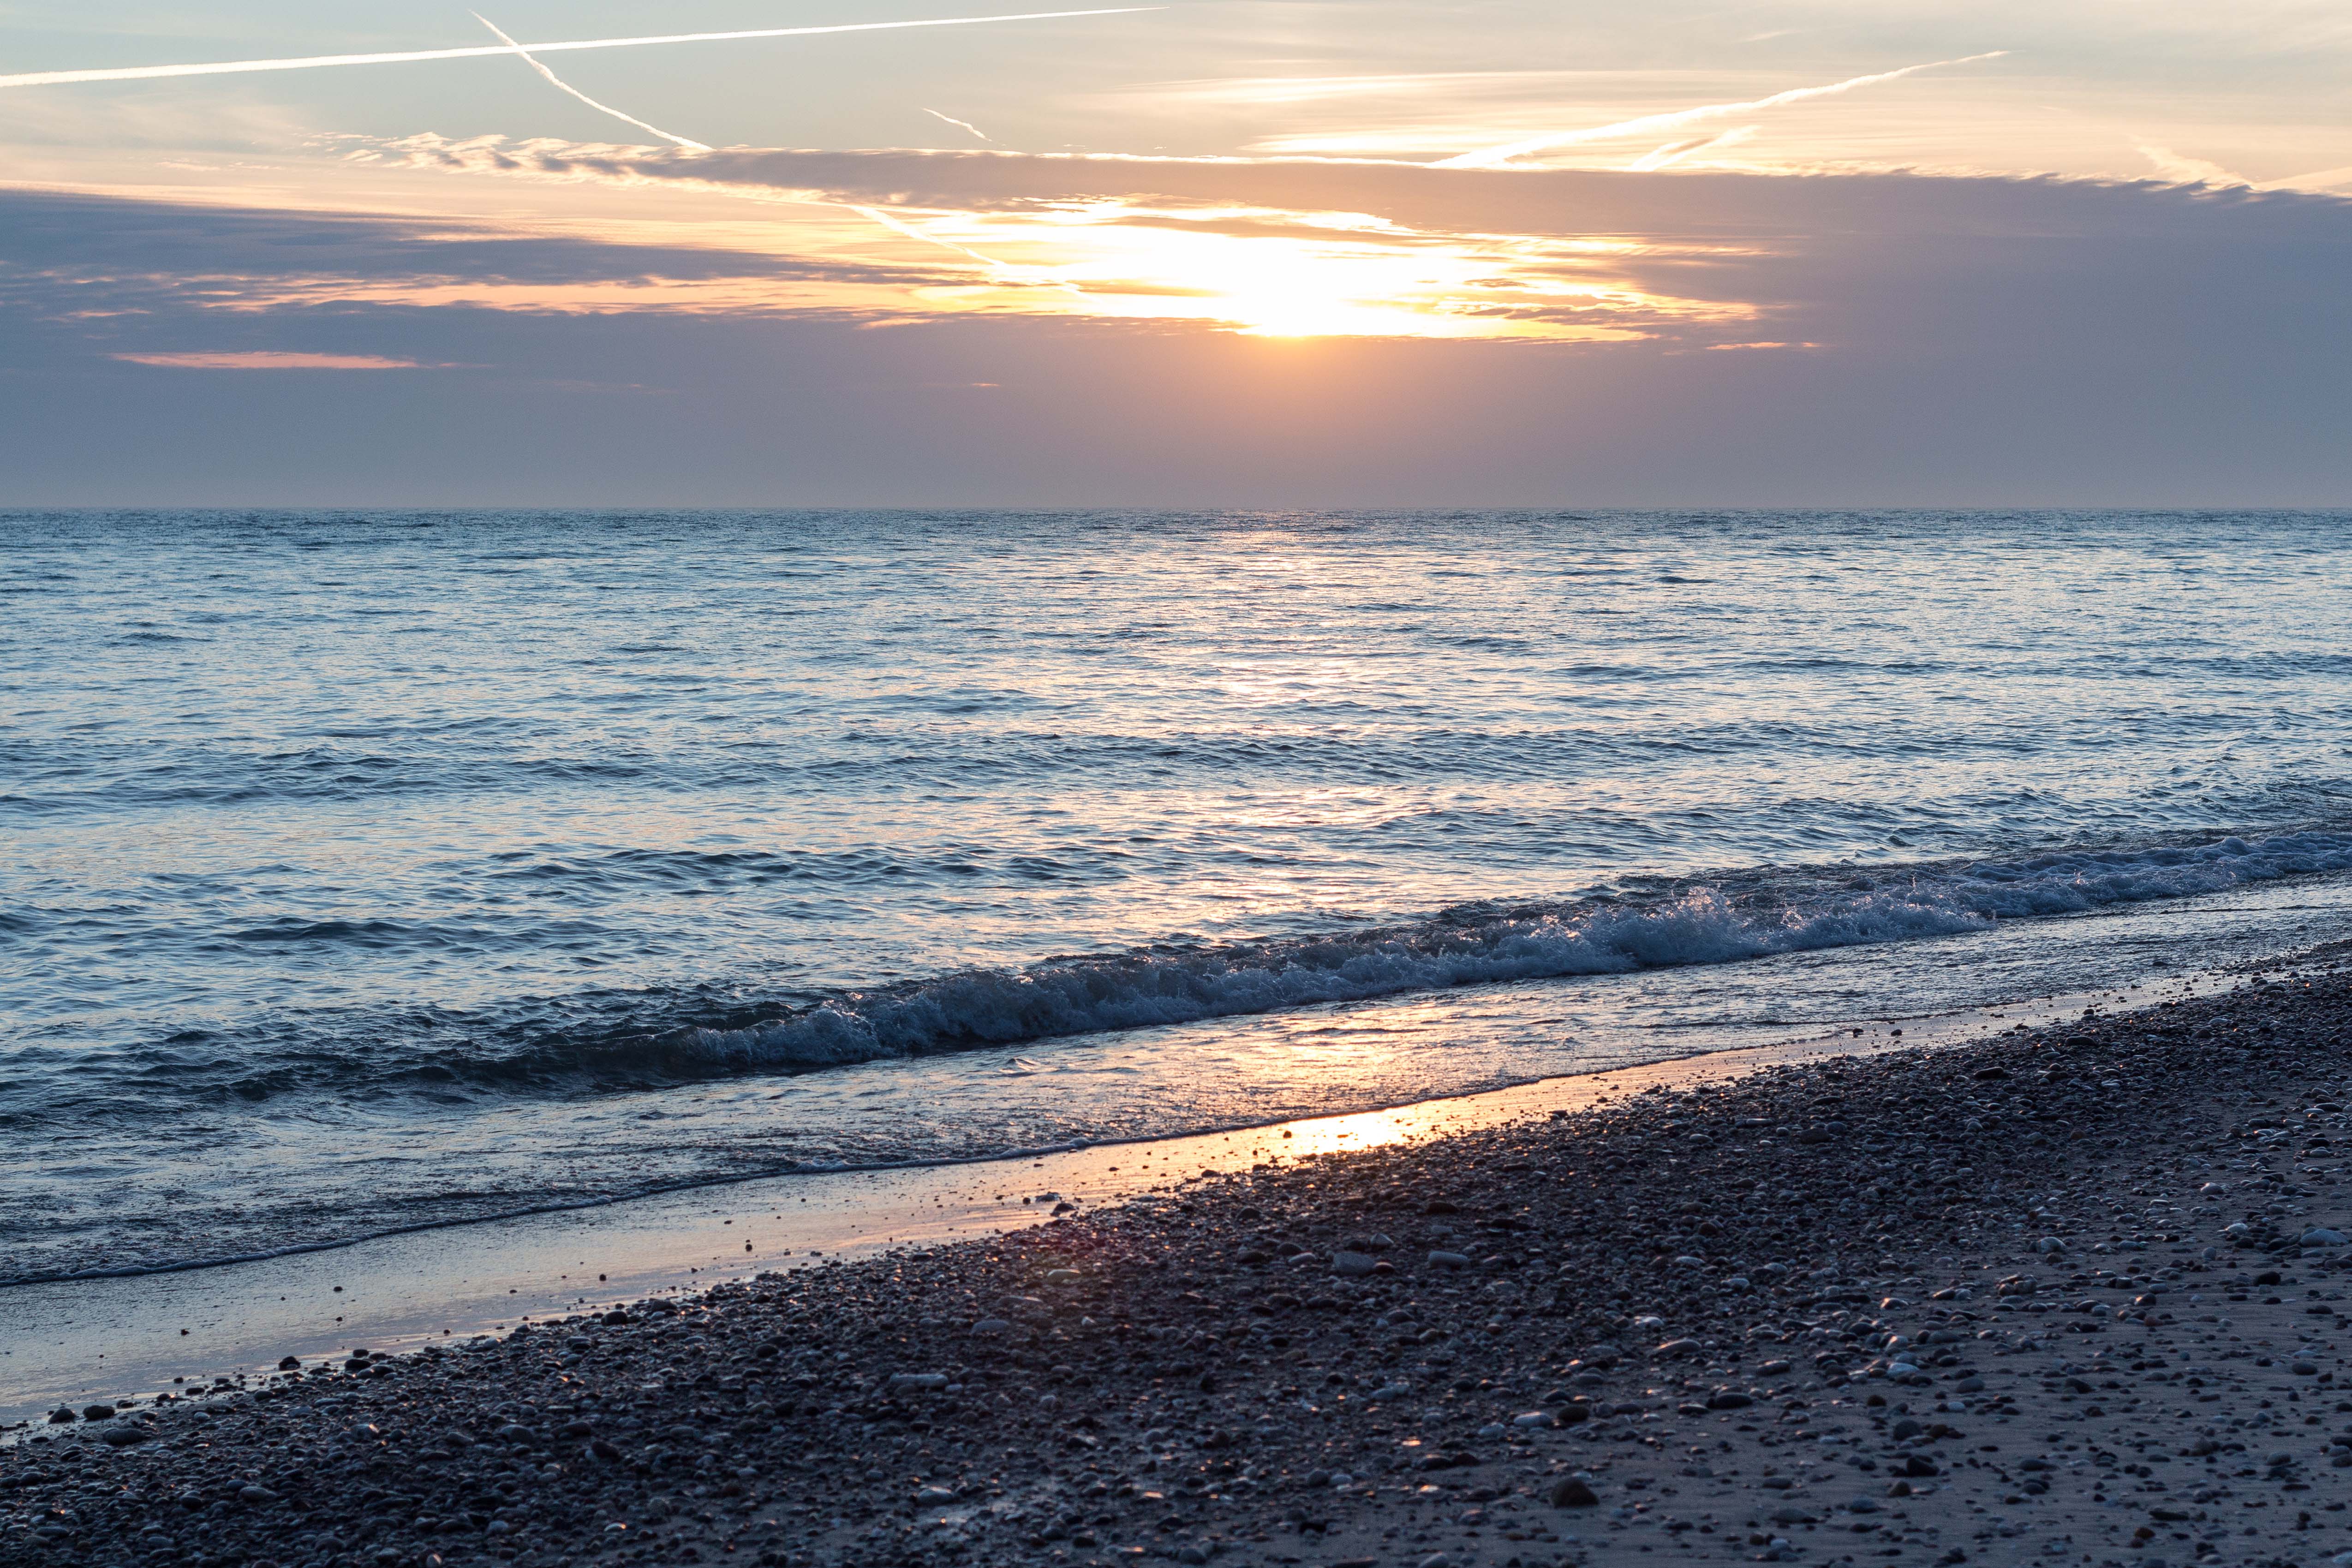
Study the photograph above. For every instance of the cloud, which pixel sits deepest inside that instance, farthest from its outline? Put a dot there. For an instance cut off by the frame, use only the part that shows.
(274, 359)
(2318, 180)
(1318, 246)
(2188, 170)
(1941, 341)
(69, 255)
(1168, 240)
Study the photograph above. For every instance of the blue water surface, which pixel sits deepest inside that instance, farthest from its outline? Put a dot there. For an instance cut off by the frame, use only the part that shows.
(365, 868)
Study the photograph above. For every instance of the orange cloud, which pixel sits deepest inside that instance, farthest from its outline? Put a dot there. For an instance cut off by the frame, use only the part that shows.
(276, 359)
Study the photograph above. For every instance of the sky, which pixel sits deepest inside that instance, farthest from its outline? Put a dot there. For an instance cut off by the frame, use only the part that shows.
(1205, 253)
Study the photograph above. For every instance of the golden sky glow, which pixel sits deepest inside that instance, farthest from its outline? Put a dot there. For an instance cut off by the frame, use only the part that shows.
(2168, 91)
(1539, 253)
(1268, 271)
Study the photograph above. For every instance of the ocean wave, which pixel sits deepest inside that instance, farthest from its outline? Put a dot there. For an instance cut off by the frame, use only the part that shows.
(605, 1036)
(1739, 916)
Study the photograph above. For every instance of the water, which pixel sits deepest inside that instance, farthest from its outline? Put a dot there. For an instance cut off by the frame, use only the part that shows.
(375, 870)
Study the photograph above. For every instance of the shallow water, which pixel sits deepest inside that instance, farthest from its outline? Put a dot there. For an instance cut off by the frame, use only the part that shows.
(373, 870)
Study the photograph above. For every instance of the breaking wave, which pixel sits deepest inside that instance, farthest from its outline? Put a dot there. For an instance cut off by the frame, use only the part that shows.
(1745, 916)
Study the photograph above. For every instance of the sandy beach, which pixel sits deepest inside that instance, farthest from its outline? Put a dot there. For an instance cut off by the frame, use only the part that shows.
(2066, 1294)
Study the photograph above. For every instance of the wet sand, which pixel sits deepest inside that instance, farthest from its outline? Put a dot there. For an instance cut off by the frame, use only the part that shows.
(76, 1342)
(2069, 1294)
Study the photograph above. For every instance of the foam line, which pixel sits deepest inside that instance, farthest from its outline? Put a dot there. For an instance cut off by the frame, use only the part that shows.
(1726, 922)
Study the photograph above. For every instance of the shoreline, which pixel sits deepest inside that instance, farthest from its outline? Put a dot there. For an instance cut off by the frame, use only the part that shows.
(420, 1169)
(144, 1333)
(2073, 1292)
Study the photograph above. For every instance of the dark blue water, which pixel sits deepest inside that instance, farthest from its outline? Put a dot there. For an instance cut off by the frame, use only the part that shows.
(372, 868)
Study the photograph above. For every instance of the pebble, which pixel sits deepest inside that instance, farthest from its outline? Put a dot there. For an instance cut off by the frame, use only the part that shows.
(925, 1380)
(1442, 1260)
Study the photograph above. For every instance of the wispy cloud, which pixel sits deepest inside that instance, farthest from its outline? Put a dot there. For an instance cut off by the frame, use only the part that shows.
(2318, 180)
(1170, 240)
(2188, 170)
(1256, 92)
(276, 359)
(414, 57)
(1306, 248)
(562, 86)
(1650, 124)
(960, 124)
(1948, 334)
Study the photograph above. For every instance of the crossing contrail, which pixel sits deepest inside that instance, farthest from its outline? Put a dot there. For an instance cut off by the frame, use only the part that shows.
(1495, 157)
(315, 62)
(562, 86)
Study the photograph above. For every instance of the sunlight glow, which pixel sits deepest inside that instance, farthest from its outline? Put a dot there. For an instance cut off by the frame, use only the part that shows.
(1299, 274)
(1271, 272)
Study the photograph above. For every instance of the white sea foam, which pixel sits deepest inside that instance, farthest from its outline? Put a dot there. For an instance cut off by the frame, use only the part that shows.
(1708, 924)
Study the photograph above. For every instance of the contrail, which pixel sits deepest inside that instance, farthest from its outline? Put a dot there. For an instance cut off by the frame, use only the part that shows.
(1674, 152)
(313, 62)
(1495, 157)
(558, 83)
(965, 124)
(1030, 275)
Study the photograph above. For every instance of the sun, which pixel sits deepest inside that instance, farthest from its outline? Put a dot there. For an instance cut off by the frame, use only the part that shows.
(1279, 274)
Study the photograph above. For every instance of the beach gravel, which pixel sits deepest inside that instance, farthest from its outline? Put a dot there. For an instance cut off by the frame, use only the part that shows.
(2067, 1295)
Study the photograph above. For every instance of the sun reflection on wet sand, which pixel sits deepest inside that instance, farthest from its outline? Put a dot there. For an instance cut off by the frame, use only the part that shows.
(400, 1290)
